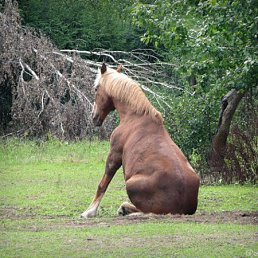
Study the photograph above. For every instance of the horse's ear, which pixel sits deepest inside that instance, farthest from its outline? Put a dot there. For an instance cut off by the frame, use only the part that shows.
(119, 68)
(103, 68)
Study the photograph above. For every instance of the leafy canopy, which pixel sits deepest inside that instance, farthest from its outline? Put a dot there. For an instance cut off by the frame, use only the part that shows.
(214, 40)
(82, 24)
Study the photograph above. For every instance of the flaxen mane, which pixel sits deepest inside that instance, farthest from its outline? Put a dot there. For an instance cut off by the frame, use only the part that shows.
(125, 89)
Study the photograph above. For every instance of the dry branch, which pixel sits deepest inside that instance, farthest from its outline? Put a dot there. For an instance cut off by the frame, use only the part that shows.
(142, 65)
(48, 92)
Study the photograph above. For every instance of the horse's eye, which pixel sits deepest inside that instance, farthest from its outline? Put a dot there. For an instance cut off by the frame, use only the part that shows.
(96, 88)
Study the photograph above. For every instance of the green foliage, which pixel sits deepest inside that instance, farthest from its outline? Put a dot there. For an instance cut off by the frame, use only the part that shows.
(83, 25)
(214, 40)
(190, 122)
(195, 158)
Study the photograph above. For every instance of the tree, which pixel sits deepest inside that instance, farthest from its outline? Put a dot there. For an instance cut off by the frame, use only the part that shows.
(214, 43)
(213, 40)
(229, 104)
(83, 24)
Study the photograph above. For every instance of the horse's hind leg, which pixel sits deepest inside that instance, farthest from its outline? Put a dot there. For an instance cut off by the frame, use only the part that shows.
(127, 208)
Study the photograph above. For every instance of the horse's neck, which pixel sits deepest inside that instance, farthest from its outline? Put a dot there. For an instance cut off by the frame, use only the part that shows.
(124, 110)
(130, 118)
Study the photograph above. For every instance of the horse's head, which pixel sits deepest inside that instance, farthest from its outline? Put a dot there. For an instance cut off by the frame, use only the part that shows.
(103, 102)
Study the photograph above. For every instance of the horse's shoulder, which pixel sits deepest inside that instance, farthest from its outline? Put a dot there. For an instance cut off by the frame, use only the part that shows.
(116, 138)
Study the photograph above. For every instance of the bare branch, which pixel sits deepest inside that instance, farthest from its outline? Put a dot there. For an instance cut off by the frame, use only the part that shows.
(32, 72)
(42, 104)
(22, 71)
(65, 56)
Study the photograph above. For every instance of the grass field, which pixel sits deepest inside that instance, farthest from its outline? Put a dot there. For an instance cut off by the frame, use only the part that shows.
(44, 186)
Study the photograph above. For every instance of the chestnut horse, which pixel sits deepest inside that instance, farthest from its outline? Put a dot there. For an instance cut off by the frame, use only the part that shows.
(158, 177)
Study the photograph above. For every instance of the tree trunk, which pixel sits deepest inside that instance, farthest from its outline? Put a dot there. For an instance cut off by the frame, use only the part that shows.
(229, 104)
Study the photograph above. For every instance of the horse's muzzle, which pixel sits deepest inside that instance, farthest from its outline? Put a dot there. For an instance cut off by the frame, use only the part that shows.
(97, 121)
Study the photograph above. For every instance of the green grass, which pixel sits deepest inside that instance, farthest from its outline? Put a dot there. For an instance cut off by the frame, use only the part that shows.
(152, 239)
(44, 186)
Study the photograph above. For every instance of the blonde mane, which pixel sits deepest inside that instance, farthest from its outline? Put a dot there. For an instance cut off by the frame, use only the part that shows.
(120, 86)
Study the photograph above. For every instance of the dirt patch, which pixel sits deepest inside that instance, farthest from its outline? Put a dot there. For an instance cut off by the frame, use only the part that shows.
(237, 217)
(221, 217)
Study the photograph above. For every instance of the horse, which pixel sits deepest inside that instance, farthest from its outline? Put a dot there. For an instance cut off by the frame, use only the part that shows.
(158, 177)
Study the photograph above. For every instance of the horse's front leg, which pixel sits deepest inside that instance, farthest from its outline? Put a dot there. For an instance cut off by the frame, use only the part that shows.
(113, 163)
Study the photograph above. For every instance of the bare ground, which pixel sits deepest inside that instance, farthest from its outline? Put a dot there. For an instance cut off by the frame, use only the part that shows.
(220, 217)
(237, 217)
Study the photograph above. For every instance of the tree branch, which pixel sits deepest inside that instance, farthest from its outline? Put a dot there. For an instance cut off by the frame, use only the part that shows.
(32, 72)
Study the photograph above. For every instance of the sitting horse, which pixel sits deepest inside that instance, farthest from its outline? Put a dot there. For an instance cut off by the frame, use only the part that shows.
(158, 177)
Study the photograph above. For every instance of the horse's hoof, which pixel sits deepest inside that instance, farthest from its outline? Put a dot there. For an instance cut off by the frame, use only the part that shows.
(121, 211)
(88, 214)
(82, 216)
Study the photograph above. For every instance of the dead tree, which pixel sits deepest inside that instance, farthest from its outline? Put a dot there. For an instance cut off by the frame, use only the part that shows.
(229, 105)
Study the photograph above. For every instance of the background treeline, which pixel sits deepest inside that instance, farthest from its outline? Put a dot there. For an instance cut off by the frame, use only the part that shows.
(83, 24)
(209, 91)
